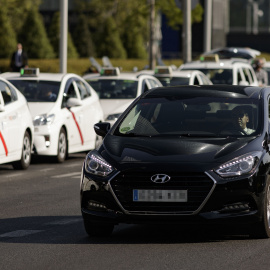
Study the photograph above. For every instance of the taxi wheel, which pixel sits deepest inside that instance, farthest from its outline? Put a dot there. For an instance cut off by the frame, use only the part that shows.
(262, 229)
(25, 160)
(62, 146)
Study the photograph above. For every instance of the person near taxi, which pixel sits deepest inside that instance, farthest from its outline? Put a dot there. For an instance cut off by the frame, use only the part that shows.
(261, 74)
(19, 59)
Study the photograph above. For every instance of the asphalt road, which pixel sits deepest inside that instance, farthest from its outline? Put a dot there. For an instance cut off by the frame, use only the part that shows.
(41, 228)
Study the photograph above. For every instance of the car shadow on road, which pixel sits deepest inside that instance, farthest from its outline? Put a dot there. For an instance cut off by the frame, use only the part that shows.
(70, 230)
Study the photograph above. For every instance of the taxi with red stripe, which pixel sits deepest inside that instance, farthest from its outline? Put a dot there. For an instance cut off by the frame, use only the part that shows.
(16, 127)
(64, 109)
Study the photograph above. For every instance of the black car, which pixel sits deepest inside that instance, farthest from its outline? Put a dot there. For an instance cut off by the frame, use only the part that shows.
(182, 154)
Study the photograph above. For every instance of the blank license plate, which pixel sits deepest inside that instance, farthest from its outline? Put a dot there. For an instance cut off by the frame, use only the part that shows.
(148, 195)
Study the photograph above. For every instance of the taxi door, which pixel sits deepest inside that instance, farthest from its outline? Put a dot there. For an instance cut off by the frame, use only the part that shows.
(73, 118)
(9, 122)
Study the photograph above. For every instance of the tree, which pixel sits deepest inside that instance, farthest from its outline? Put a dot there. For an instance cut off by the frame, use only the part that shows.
(7, 41)
(54, 36)
(82, 38)
(35, 39)
(110, 44)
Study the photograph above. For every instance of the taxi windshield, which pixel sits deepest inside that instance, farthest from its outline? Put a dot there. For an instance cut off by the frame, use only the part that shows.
(38, 91)
(218, 75)
(114, 89)
(166, 81)
(192, 117)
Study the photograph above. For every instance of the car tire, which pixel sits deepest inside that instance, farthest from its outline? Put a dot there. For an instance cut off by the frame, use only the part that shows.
(62, 146)
(98, 229)
(262, 229)
(25, 160)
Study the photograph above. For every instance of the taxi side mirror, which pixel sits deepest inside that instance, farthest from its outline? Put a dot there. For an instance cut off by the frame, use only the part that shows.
(73, 102)
(102, 129)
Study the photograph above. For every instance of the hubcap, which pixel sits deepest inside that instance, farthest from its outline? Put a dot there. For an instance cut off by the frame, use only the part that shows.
(26, 152)
(62, 145)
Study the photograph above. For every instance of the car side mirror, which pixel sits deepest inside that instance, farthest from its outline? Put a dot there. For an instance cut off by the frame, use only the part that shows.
(73, 102)
(102, 129)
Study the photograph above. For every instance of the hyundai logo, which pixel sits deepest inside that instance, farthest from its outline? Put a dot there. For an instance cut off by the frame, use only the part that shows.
(160, 178)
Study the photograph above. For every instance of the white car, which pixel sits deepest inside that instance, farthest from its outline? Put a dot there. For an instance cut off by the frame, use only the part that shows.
(64, 109)
(169, 77)
(224, 71)
(117, 90)
(16, 127)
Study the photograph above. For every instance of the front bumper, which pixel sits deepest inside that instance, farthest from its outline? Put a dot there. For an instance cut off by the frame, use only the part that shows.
(213, 201)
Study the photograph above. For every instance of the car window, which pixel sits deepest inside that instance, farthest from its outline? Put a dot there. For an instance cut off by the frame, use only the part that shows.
(196, 81)
(82, 89)
(239, 77)
(247, 75)
(114, 89)
(38, 91)
(203, 79)
(191, 116)
(9, 94)
(144, 86)
(153, 83)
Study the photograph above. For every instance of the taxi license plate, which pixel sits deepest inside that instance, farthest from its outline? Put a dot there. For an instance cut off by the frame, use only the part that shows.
(148, 195)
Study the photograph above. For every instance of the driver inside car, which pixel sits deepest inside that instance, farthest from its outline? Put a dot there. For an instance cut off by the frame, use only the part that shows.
(242, 118)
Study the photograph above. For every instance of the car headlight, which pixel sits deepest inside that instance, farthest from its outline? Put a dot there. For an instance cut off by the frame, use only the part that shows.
(241, 165)
(97, 165)
(43, 119)
(113, 117)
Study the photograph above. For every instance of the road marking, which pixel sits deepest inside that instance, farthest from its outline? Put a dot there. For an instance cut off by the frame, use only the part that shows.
(66, 175)
(47, 169)
(20, 233)
(13, 175)
(64, 222)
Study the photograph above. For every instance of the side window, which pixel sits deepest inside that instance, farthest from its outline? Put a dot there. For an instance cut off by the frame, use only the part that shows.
(153, 83)
(9, 94)
(239, 77)
(70, 92)
(246, 74)
(144, 86)
(196, 81)
(82, 89)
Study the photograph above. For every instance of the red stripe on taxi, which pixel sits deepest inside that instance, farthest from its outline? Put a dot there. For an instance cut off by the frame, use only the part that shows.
(4, 143)
(77, 124)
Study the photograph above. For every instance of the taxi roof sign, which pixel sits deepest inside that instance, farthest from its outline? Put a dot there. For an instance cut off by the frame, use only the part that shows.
(110, 71)
(163, 70)
(29, 72)
(209, 58)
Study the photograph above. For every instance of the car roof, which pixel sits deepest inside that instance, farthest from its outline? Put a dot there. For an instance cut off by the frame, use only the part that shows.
(57, 77)
(223, 63)
(234, 91)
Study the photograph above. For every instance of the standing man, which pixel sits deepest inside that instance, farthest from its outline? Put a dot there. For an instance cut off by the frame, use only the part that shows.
(19, 59)
(261, 74)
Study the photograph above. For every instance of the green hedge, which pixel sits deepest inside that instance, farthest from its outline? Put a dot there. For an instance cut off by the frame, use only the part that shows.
(80, 66)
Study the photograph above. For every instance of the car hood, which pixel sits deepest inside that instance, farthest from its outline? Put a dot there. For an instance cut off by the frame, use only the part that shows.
(38, 108)
(123, 150)
(112, 106)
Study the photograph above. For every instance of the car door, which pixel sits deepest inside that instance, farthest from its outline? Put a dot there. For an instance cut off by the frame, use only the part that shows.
(89, 114)
(72, 117)
(10, 141)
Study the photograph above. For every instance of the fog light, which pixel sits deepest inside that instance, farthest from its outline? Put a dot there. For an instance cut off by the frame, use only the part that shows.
(97, 206)
(236, 207)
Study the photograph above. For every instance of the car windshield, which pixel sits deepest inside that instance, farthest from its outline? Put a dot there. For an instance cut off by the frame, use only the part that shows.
(198, 116)
(218, 76)
(38, 91)
(114, 89)
(166, 81)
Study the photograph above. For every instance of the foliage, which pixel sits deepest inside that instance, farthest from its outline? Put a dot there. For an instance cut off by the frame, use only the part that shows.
(174, 14)
(110, 43)
(54, 37)
(7, 42)
(35, 39)
(17, 11)
(83, 38)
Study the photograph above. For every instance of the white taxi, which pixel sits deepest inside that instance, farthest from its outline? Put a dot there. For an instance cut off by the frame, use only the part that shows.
(64, 109)
(117, 90)
(224, 71)
(16, 127)
(169, 77)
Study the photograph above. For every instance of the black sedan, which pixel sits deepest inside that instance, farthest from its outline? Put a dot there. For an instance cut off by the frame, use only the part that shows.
(183, 154)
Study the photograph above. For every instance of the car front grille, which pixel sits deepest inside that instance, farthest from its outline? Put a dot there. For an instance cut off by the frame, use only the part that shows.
(198, 186)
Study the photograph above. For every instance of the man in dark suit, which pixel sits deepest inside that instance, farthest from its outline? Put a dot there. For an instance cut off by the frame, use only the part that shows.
(19, 59)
